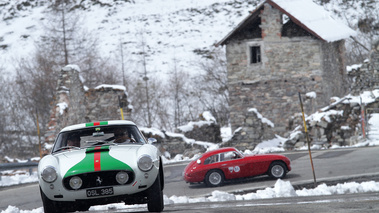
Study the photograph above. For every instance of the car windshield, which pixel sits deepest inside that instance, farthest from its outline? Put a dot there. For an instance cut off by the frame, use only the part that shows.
(98, 135)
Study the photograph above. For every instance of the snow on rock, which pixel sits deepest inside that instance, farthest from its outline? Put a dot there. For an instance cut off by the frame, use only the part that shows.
(311, 95)
(70, 67)
(208, 116)
(62, 107)
(353, 67)
(263, 119)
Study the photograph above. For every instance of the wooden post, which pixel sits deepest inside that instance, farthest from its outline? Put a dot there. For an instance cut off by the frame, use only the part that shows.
(121, 106)
(308, 141)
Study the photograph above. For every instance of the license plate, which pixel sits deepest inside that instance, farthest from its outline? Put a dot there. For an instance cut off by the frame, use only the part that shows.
(99, 192)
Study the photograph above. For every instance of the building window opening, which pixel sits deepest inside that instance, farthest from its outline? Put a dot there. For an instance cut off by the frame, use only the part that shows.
(255, 54)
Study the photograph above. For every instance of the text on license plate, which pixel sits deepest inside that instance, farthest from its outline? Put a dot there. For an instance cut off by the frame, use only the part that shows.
(99, 192)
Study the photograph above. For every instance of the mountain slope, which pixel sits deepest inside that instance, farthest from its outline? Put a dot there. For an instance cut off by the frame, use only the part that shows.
(170, 28)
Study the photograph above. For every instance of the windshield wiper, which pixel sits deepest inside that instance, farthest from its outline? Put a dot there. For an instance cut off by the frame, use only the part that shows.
(66, 148)
(96, 143)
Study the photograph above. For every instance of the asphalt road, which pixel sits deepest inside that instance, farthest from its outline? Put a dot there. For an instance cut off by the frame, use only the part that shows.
(331, 166)
(350, 203)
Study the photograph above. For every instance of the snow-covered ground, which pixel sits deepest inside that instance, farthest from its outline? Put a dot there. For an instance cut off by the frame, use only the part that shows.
(280, 189)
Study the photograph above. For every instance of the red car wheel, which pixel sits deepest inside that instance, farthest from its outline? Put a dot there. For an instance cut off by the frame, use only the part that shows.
(214, 178)
(277, 170)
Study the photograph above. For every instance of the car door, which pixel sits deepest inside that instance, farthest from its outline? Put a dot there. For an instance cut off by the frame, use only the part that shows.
(256, 164)
(233, 165)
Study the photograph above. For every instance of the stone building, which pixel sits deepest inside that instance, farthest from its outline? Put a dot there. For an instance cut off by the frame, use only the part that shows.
(281, 49)
(76, 104)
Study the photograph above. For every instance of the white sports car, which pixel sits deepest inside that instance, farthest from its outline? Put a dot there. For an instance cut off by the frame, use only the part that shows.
(99, 163)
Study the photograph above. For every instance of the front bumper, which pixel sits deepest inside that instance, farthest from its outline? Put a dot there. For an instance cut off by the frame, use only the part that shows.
(57, 192)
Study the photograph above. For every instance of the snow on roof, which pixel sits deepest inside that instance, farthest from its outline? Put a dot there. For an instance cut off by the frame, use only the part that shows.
(315, 18)
(310, 16)
(114, 87)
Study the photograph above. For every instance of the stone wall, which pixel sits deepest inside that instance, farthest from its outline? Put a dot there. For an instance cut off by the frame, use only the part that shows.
(253, 130)
(289, 65)
(74, 104)
(102, 103)
(203, 131)
(340, 123)
(334, 70)
(189, 139)
(366, 76)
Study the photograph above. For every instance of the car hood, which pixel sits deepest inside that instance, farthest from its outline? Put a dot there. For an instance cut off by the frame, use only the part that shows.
(100, 158)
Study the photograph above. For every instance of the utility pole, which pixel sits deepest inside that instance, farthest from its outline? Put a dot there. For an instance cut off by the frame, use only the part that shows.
(146, 79)
(122, 64)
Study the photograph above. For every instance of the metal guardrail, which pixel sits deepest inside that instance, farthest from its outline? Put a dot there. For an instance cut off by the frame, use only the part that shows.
(7, 166)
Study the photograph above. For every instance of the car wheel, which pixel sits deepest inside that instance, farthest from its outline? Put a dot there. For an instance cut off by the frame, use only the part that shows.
(49, 206)
(214, 178)
(277, 170)
(155, 197)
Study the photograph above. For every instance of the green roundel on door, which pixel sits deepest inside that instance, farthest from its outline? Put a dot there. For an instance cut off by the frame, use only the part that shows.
(97, 159)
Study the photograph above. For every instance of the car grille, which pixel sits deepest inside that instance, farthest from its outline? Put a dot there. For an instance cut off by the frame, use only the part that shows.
(98, 179)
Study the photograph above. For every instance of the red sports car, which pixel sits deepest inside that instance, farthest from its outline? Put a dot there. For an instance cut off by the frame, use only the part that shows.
(214, 167)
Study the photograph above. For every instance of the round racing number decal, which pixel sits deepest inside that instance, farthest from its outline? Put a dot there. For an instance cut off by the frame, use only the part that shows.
(235, 169)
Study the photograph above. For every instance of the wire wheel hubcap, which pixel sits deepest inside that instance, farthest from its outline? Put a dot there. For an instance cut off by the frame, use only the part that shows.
(277, 171)
(215, 178)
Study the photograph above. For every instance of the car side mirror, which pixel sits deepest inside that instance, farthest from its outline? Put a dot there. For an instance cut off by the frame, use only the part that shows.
(198, 161)
(151, 140)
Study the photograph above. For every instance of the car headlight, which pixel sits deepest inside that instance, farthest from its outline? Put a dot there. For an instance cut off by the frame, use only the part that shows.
(122, 177)
(145, 163)
(49, 174)
(75, 182)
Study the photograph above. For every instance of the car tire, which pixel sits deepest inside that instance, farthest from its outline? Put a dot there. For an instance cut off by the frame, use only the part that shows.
(277, 170)
(50, 206)
(214, 178)
(82, 207)
(155, 197)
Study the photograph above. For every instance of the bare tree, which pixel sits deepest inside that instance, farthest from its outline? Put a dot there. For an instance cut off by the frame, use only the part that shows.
(213, 87)
(365, 23)
(4, 107)
(69, 43)
(177, 86)
(36, 84)
(36, 77)
(137, 95)
(144, 111)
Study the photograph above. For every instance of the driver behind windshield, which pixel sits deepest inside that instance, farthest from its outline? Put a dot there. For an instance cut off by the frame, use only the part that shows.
(73, 140)
(121, 136)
